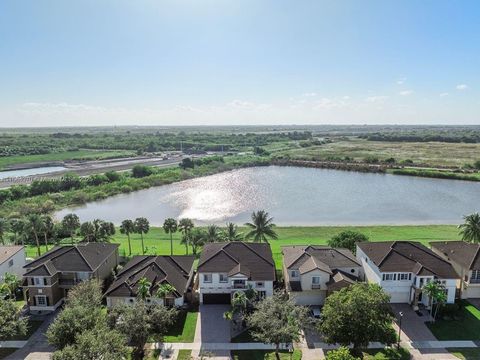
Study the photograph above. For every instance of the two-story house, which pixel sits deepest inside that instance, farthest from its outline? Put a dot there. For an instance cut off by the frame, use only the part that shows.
(12, 260)
(402, 268)
(311, 273)
(465, 258)
(225, 268)
(48, 278)
(176, 271)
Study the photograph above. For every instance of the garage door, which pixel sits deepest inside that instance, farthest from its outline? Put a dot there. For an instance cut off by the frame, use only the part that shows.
(216, 298)
(399, 297)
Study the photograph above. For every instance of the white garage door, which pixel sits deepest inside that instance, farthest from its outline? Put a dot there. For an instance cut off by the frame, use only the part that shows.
(399, 297)
(309, 298)
(473, 292)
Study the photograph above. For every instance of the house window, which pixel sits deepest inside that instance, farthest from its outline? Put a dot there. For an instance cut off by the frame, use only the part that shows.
(207, 278)
(10, 263)
(315, 280)
(39, 281)
(294, 273)
(223, 278)
(41, 300)
(388, 277)
(259, 284)
(475, 276)
(403, 276)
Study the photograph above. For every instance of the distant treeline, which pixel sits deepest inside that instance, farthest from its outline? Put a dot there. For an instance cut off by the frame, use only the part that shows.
(465, 136)
(33, 144)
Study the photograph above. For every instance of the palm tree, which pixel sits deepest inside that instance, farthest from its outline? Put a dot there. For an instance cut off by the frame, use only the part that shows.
(470, 229)
(143, 288)
(47, 228)
(12, 281)
(127, 228)
(164, 290)
(17, 225)
(185, 226)
(196, 238)
(231, 233)
(170, 226)
(71, 223)
(4, 227)
(142, 226)
(261, 227)
(34, 225)
(436, 294)
(212, 234)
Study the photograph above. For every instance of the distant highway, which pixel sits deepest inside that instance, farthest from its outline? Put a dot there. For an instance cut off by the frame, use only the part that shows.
(86, 168)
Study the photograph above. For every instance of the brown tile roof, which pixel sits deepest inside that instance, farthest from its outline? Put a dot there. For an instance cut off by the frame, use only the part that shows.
(81, 257)
(463, 253)
(308, 258)
(6, 252)
(173, 270)
(407, 256)
(256, 258)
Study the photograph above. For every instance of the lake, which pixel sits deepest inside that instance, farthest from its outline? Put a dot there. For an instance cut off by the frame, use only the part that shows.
(295, 196)
(10, 174)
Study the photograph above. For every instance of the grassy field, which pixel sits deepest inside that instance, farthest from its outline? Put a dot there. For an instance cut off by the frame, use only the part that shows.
(157, 242)
(466, 353)
(431, 153)
(62, 156)
(467, 328)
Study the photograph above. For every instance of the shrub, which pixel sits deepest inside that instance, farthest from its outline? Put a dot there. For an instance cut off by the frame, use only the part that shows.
(140, 171)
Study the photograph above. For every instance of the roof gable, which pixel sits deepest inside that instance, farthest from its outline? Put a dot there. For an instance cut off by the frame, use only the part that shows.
(224, 257)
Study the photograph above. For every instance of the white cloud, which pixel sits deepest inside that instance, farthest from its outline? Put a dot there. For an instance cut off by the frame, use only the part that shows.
(401, 81)
(405, 92)
(444, 94)
(376, 98)
(310, 94)
(462, 87)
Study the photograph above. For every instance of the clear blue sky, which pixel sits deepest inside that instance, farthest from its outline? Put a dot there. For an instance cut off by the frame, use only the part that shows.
(239, 62)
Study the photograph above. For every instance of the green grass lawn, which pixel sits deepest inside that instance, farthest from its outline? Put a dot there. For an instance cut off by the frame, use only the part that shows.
(65, 155)
(157, 242)
(4, 352)
(264, 355)
(466, 353)
(184, 354)
(387, 354)
(466, 328)
(184, 328)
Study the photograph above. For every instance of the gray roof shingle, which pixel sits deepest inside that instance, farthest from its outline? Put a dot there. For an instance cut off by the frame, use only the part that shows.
(407, 256)
(174, 270)
(81, 257)
(466, 254)
(254, 258)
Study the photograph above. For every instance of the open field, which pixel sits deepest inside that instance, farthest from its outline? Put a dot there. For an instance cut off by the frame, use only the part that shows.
(63, 156)
(157, 242)
(428, 153)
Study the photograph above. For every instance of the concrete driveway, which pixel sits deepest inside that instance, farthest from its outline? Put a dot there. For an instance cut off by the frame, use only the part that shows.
(413, 325)
(212, 328)
(414, 329)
